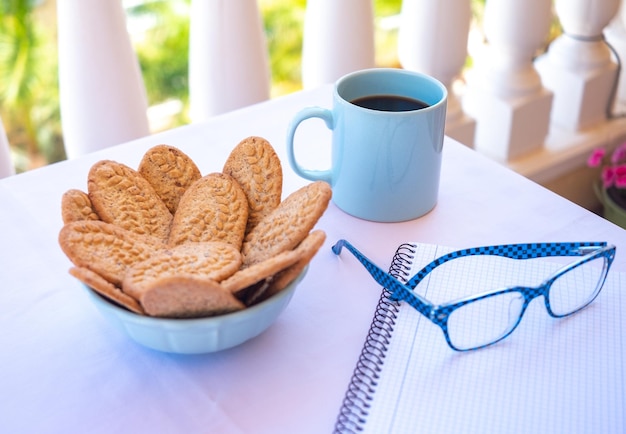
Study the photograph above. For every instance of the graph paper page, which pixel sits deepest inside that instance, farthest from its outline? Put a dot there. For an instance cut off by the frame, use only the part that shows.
(550, 375)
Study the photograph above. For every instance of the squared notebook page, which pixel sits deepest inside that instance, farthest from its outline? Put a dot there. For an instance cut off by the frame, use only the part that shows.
(550, 375)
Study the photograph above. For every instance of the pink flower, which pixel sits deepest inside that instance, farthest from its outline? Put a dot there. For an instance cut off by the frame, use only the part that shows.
(613, 172)
(608, 176)
(620, 176)
(619, 154)
(596, 157)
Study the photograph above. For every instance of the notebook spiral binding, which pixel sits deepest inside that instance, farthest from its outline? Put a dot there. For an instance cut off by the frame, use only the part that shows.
(356, 403)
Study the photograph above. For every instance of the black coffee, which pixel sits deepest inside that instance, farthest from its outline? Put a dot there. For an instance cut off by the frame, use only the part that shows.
(389, 103)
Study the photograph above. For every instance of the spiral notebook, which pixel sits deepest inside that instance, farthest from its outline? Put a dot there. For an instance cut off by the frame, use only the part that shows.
(550, 375)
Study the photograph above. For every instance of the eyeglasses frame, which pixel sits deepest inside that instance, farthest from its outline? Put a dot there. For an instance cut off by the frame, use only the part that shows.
(439, 314)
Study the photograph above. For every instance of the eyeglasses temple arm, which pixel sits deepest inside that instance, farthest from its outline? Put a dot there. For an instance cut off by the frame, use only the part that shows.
(399, 290)
(512, 251)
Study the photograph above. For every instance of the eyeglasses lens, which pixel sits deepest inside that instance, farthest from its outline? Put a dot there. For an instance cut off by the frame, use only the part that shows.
(577, 287)
(484, 321)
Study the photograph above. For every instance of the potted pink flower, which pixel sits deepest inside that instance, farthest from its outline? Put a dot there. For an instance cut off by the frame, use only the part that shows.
(611, 188)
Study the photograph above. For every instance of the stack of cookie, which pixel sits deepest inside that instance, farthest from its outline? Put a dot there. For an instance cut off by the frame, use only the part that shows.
(165, 241)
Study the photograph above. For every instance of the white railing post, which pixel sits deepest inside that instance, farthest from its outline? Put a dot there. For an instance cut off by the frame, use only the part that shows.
(228, 58)
(102, 95)
(6, 162)
(615, 34)
(504, 92)
(338, 38)
(578, 67)
(432, 39)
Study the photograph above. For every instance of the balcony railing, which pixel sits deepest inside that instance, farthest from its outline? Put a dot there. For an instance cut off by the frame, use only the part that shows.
(539, 114)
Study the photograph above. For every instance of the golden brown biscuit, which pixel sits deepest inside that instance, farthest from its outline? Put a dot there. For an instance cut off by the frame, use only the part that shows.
(76, 206)
(170, 171)
(214, 208)
(256, 167)
(286, 226)
(103, 248)
(187, 297)
(105, 288)
(246, 277)
(209, 261)
(120, 195)
(305, 251)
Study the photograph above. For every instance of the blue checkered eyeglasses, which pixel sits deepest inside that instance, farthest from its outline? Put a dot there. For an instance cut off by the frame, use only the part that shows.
(463, 322)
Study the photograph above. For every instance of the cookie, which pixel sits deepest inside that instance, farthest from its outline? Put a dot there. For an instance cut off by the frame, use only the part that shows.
(105, 288)
(249, 276)
(120, 195)
(286, 226)
(256, 167)
(209, 261)
(214, 208)
(170, 172)
(104, 248)
(187, 297)
(76, 206)
(305, 252)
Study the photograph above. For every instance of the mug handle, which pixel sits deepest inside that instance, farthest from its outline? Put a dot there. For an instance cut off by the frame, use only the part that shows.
(304, 114)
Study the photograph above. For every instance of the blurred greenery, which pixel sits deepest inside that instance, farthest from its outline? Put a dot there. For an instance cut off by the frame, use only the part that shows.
(160, 33)
(28, 85)
(283, 21)
(162, 48)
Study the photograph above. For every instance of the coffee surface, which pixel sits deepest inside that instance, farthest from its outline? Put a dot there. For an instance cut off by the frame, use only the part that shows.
(389, 103)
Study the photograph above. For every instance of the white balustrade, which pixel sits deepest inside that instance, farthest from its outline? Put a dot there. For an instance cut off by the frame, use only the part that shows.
(432, 39)
(102, 95)
(539, 115)
(6, 162)
(615, 35)
(228, 57)
(504, 92)
(578, 67)
(338, 38)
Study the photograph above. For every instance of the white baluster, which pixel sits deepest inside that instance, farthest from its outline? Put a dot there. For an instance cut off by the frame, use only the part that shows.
(578, 67)
(338, 38)
(504, 93)
(6, 162)
(615, 35)
(102, 95)
(228, 58)
(433, 40)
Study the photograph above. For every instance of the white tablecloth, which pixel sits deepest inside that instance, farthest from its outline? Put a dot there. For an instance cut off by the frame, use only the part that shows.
(64, 369)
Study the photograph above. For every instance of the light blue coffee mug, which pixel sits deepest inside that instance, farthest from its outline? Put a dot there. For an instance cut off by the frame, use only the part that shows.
(385, 165)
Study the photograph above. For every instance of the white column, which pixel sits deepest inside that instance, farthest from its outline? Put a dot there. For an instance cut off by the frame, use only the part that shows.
(578, 67)
(504, 93)
(102, 95)
(615, 35)
(338, 38)
(228, 58)
(433, 40)
(6, 162)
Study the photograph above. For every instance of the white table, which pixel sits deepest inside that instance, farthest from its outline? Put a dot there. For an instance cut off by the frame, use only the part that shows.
(64, 369)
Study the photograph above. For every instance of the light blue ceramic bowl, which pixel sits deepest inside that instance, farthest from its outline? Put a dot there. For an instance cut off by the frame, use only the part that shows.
(198, 335)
